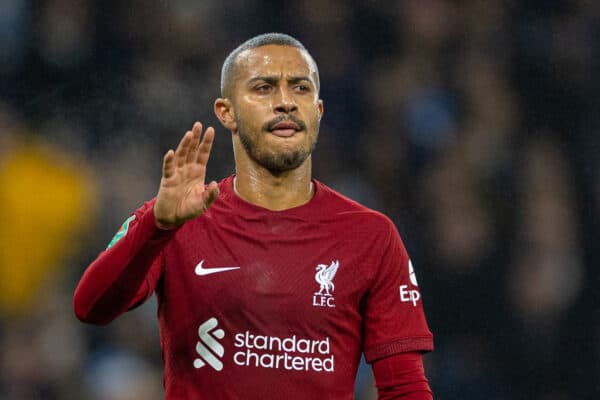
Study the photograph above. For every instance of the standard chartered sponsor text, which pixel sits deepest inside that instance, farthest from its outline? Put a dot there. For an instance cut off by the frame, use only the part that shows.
(289, 353)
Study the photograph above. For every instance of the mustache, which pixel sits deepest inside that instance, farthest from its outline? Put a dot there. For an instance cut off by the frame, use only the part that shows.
(269, 125)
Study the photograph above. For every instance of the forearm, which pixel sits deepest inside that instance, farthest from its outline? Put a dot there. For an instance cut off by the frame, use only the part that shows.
(401, 377)
(119, 278)
(116, 280)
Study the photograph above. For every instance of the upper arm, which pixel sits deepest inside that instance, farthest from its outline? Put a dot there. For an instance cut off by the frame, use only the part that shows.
(394, 319)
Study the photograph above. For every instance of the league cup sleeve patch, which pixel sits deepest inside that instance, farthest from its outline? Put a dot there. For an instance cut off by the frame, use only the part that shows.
(121, 232)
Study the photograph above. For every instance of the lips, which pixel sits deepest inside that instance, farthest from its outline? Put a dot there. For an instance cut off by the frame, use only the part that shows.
(285, 128)
(286, 125)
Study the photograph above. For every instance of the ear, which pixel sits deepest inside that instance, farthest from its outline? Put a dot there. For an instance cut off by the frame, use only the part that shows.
(320, 108)
(224, 111)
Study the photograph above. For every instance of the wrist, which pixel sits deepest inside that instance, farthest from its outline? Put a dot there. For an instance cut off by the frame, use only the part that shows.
(162, 225)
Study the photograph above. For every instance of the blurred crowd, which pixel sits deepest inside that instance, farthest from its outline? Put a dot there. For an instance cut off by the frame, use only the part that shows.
(472, 124)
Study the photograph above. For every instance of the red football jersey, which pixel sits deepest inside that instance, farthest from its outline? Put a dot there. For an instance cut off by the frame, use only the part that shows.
(260, 304)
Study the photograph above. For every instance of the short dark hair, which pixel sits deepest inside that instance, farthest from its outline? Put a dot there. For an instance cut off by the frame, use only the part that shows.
(229, 66)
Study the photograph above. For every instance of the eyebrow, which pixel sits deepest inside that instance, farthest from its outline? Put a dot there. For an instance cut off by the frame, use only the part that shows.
(273, 79)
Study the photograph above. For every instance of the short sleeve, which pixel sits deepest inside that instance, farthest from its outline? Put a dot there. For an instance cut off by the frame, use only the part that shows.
(394, 320)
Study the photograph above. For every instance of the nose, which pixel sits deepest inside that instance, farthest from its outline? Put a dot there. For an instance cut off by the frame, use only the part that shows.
(284, 101)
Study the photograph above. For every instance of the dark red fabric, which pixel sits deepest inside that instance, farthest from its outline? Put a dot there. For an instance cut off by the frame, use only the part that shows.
(244, 307)
(401, 376)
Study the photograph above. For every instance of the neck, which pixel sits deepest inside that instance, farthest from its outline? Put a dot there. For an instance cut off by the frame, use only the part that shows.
(286, 190)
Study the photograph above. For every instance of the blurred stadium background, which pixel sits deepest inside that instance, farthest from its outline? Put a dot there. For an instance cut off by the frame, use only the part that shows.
(473, 124)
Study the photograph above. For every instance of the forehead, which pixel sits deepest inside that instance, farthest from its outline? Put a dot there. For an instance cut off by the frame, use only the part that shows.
(275, 60)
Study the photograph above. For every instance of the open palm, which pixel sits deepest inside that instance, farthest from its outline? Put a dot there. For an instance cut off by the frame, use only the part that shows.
(182, 194)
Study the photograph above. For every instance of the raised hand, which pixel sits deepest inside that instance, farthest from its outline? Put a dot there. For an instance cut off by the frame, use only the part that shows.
(182, 194)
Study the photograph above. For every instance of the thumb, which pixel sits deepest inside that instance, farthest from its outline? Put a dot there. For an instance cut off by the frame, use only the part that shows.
(202, 197)
(211, 193)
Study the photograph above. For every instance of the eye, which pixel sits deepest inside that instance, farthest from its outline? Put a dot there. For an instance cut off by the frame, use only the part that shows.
(302, 88)
(263, 88)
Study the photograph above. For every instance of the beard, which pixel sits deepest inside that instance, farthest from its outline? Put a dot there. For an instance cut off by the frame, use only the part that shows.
(276, 163)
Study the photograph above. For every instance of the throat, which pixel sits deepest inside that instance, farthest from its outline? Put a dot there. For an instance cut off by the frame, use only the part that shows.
(275, 195)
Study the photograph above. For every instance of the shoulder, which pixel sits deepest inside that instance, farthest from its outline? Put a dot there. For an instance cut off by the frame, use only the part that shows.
(338, 205)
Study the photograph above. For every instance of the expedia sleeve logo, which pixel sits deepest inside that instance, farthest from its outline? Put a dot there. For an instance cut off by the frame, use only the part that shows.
(410, 293)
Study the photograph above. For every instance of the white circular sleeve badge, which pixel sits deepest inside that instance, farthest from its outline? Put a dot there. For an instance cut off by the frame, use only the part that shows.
(411, 273)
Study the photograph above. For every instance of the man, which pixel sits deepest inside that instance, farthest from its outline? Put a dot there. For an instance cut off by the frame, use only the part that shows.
(269, 284)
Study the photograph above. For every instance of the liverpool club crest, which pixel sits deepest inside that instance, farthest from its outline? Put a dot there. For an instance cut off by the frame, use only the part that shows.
(324, 277)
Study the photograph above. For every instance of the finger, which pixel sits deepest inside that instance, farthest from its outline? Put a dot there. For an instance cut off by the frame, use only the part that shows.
(211, 193)
(206, 145)
(195, 143)
(168, 164)
(182, 149)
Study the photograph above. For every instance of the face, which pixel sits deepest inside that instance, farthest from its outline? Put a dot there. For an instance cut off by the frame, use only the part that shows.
(276, 106)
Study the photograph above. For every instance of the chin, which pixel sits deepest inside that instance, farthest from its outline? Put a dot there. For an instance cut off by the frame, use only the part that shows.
(278, 154)
(282, 162)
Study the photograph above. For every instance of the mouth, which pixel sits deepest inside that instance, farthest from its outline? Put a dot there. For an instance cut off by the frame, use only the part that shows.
(285, 128)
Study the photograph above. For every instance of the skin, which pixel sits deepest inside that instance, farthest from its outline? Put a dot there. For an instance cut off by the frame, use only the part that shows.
(272, 83)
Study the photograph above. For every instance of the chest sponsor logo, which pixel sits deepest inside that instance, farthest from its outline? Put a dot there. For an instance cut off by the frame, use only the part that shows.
(410, 293)
(324, 277)
(202, 271)
(209, 349)
(290, 353)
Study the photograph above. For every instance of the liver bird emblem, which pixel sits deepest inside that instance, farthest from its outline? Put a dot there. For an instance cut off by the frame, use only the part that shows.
(324, 278)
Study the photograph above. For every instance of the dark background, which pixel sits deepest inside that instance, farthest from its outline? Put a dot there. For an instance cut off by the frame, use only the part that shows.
(472, 124)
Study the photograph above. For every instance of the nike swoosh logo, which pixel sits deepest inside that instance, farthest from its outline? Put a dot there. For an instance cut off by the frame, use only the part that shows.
(201, 271)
